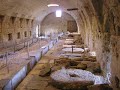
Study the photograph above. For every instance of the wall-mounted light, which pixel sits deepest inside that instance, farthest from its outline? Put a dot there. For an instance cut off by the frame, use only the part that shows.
(52, 5)
(58, 13)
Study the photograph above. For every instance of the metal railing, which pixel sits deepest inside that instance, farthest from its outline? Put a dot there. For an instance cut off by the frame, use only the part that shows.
(16, 46)
(11, 50)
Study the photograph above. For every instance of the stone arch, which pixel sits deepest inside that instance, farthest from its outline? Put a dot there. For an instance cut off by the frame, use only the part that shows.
(66, 16)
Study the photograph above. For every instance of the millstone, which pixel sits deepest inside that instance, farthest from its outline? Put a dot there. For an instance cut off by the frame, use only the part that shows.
(72, 79)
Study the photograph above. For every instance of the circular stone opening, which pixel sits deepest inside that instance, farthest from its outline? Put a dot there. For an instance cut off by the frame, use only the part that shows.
(74, 79)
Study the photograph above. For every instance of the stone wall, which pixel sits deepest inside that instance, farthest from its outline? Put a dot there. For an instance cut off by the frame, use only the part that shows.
(101, 33)
(15, 29)
(52, 24)
(99, 25)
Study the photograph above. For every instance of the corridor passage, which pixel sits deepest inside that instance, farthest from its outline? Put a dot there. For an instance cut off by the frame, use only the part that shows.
(74, 38)
(70, 54)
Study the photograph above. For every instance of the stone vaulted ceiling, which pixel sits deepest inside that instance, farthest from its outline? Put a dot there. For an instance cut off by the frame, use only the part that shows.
(38, 8)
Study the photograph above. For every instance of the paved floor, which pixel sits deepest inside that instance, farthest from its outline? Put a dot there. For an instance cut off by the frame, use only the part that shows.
(35, 82)
(17, 60)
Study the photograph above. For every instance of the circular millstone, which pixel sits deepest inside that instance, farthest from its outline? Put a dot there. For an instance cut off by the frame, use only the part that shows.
(72, 79)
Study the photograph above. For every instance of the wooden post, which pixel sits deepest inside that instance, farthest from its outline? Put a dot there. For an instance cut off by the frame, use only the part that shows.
(84, 50)
(50, 36)
(6, 55)
(24, 44)
(39, 43)
(14, 46)
(72, 48)
(28, 50)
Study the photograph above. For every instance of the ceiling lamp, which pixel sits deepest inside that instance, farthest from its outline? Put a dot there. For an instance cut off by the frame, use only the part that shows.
(52, 5)
(58, 13)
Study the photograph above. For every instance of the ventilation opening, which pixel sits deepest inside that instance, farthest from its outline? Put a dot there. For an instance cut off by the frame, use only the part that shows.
(21, 20)
(118, 31)
(18, 35)
(12, 20)
(27, 21)
(25, 34)
(1, 20)
(9, 36)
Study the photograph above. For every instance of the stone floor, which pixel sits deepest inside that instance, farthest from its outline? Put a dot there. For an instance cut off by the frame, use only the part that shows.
(17, 60)
(35, 82)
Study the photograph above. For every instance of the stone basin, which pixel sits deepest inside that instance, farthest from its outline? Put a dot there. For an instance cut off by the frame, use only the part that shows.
(74, 50)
